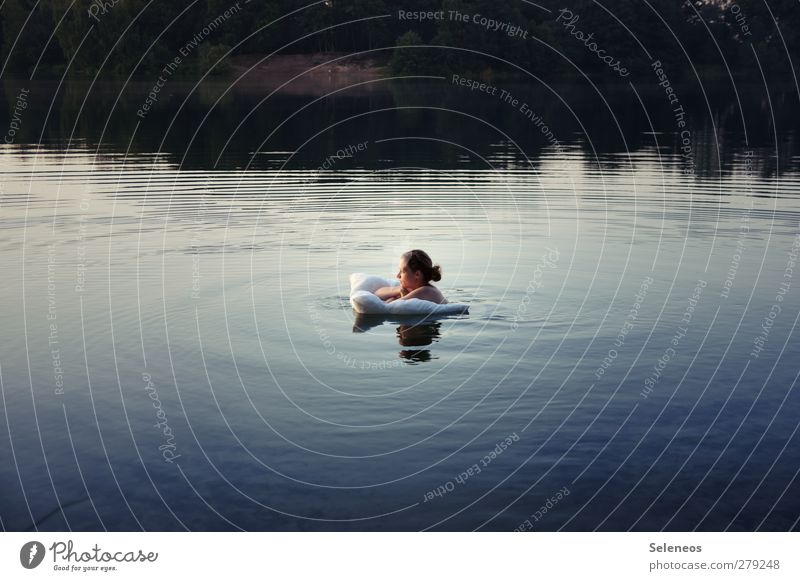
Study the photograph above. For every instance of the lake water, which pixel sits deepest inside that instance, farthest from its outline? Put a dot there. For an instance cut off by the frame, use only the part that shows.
(179, 352)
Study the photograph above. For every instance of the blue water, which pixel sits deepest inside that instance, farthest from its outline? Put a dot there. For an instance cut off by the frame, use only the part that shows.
(178, 350)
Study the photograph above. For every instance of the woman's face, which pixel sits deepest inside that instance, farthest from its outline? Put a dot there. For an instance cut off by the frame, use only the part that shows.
(409, 279)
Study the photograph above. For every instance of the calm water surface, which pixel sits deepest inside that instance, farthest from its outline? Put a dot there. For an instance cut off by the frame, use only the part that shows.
(179, 352)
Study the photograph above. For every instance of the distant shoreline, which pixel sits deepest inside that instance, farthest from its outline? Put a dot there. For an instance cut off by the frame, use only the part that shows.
(320, 73)
(310, 73)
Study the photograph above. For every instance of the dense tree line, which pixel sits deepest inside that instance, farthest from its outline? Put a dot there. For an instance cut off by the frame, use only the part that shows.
(122, 37)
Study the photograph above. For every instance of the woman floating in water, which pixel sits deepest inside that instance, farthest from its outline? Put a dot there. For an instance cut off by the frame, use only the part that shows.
(415, 272)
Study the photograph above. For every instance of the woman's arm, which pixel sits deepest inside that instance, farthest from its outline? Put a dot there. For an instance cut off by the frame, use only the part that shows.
(426, 293)
(388, 292)
(423, 293)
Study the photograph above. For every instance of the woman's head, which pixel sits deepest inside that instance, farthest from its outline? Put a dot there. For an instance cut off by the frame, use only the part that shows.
(417, 269)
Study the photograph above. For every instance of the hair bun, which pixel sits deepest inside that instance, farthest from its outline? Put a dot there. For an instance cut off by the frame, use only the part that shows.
(436, 273)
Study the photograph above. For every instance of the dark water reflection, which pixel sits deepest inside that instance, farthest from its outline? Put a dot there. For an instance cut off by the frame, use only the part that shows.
(217, 126)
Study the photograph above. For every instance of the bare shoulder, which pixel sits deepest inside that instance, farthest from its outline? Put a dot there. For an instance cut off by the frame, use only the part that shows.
(438, 296)
(430, 293)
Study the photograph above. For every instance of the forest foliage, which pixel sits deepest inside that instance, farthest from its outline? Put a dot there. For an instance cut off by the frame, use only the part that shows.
(138, 37)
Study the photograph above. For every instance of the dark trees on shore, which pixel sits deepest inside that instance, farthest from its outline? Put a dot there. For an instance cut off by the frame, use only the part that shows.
(123, 37)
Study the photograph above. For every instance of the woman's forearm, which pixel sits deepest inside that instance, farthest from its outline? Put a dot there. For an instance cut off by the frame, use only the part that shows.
(388, 292)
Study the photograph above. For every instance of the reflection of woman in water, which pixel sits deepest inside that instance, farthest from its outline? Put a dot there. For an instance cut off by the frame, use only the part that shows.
(416, 271)
(419, 334)
(416, 336)
(414, 332)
